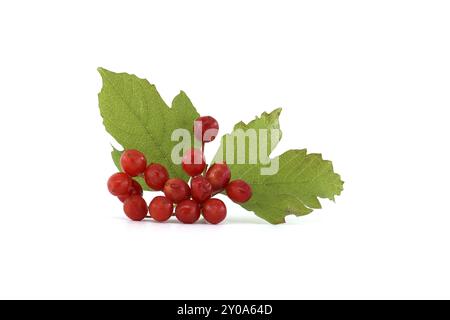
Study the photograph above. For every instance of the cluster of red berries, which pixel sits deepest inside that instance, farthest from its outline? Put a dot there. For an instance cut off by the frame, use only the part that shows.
(189, 202)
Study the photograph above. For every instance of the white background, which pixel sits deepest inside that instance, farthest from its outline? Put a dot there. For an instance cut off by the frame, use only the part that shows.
(366, 83)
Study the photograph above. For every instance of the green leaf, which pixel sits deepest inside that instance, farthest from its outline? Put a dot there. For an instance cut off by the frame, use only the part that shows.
(301, 178)
(137, 117)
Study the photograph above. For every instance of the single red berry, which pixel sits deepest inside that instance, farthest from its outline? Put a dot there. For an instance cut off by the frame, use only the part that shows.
(135, 208)
(161, 208)
(119, 184)
(135, 189)
(193, 162)
(133, 162)
(201, 189)
(218, 175)
(156, 176)
(239, 191)
(188, 211)
(214, 211)
(206, 128)
(176, 190)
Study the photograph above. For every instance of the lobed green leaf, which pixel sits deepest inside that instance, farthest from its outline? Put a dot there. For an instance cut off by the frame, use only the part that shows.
(137, 117)
(301, 179)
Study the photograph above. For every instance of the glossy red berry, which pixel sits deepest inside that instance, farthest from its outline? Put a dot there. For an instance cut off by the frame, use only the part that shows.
(214, 211)
(135, 208)
(135, 189)
(176, 190)
(161, 208)
(239, 191)
(218, 175)
(206, 129)
(133, 162)
(119, 184)
(193, 162)
(156, 176)
(188, 211)
(201, 189)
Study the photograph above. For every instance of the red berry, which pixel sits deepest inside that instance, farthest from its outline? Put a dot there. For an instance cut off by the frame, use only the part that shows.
(135, 189)
(218, 175)
(133, 162)
(156, 176)
(206, 129)
(176, 190)
(193, 162)
(239, 191)
(161, 209)
(214, 211)
(188, 211)
(201, 189)
(119, 184)
(135, 208)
